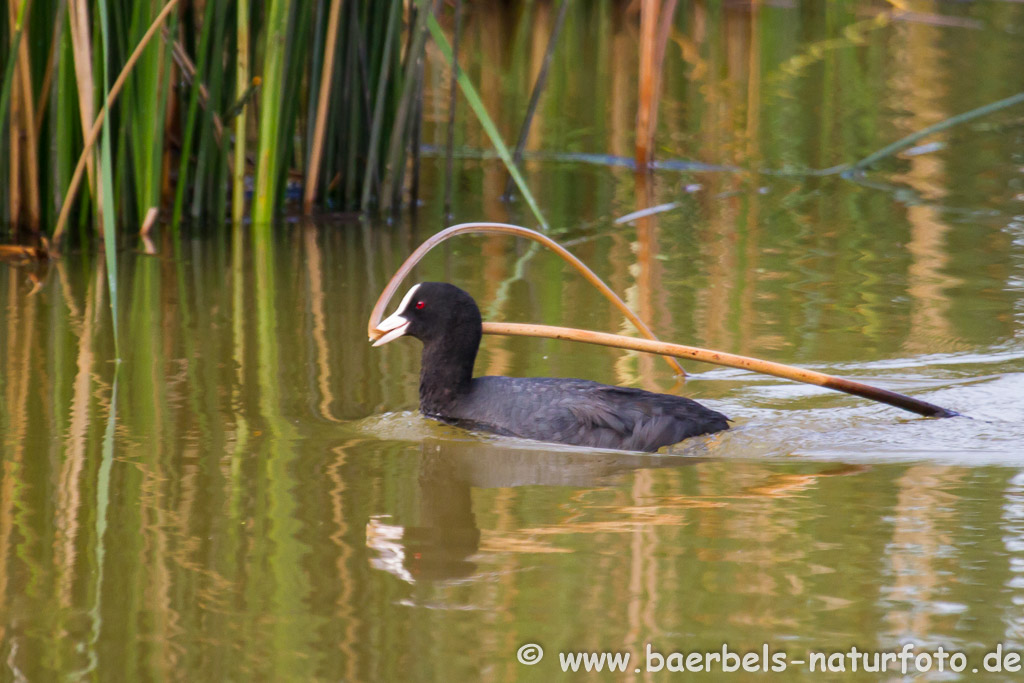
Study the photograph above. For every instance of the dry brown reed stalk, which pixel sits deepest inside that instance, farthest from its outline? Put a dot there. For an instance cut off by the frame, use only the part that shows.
(145, 232)
(323, 100)
(27, 135)
(94, 132)
(721, 358)
(188, 68)
(649, 345)
(666, 17)
(81, 48)
(14, 172)
(16, 253)
(655, 30)
(647, 103)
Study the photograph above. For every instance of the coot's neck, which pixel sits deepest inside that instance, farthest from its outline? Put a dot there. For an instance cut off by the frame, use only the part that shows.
(446, 367)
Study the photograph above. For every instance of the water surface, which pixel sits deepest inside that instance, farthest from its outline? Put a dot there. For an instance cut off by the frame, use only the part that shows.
(250, 494)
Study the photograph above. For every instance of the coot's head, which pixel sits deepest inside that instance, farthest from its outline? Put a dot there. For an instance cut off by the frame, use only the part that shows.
(434, 311)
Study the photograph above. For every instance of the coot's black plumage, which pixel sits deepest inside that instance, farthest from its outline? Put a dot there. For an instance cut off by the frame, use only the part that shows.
(570, 411)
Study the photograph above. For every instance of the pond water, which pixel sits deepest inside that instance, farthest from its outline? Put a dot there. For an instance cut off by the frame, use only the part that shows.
(250, 493)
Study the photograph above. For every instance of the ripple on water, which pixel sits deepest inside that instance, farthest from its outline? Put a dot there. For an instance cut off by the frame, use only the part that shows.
(989, 431)
(777, 418)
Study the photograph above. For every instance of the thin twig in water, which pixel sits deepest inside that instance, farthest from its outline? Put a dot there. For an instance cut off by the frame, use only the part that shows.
(188, 69)
(643, 213)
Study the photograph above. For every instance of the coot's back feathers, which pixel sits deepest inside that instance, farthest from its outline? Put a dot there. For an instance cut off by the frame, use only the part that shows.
(570, 411)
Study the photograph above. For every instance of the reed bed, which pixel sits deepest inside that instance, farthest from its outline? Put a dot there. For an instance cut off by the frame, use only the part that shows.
(205, 110)
(243, 109)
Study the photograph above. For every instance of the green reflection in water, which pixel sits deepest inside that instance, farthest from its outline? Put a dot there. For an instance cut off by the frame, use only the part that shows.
(250, 494)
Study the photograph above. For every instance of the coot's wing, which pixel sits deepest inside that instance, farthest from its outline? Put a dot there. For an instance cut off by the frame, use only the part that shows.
(583, 413)
(639, 420)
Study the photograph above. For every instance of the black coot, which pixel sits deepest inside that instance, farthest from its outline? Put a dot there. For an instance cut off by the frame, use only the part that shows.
(571, 411)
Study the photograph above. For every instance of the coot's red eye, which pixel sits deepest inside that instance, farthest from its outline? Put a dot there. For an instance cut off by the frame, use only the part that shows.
(420, 305)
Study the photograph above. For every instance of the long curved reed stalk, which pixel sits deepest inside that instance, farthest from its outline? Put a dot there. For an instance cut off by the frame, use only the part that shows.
(721, 358)
(94, 132)
(649, 345)
(505, 229)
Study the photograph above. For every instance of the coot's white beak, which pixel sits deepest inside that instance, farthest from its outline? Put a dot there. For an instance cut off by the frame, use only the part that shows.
(397, 324)
(395, 327)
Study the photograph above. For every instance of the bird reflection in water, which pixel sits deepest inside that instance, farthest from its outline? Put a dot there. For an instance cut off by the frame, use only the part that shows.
(442, 543)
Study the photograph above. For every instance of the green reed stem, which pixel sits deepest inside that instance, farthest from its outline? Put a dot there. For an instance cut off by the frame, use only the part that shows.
(107, 183)
(210, 156)
(378, 108)
(12, 54)
(538, 89)
(449, 165)
(241, 88)
(190, 118)
(940, 126)
(146, 115)
(94, 133)
(391, 193)
(268, 155)
(485, 120)
(296, 46)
